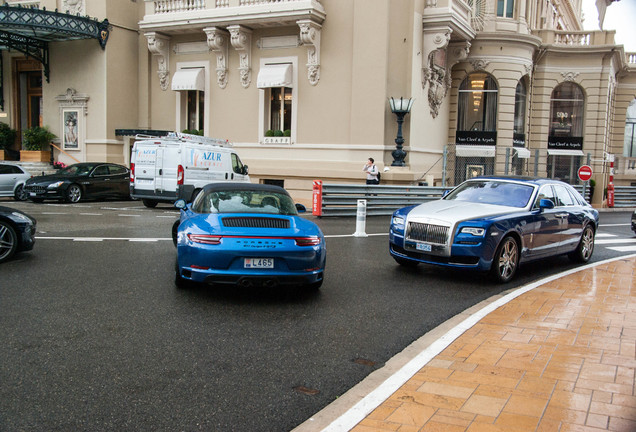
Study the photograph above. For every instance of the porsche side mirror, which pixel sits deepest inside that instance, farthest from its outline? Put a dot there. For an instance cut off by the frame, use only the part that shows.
(301, 208)
(180, 204)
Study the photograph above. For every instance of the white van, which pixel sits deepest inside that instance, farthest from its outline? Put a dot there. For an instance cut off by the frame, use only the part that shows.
(178, 165)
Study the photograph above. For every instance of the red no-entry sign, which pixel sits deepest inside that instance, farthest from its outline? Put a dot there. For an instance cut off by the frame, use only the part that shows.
(585, 173)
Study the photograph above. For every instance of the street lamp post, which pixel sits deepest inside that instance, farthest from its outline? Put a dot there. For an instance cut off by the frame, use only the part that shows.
(400, 108)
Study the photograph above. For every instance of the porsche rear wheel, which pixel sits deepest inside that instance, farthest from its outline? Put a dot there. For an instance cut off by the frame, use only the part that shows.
(74, 193)
(506, 261)
(179, 281)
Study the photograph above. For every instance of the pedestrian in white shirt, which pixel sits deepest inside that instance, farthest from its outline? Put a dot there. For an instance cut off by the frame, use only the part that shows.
(372, 172)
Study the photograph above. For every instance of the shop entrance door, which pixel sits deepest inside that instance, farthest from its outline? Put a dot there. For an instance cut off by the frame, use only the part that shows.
(28, 94)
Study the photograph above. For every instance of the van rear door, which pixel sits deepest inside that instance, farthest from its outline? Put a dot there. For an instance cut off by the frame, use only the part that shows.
(158, 170)
(144, 157)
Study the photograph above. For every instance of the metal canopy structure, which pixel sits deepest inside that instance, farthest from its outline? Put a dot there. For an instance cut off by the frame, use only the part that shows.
(30, 30)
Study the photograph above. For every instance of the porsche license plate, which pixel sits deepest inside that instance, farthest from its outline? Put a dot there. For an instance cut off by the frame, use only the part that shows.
(423, 247)
(259, 263)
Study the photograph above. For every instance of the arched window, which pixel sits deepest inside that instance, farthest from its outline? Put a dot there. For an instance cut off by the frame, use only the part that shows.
(521, 96)
(476, 135)
(477, 110)
(566, 110)
(565, 140)
(629, 149)
(519, 129)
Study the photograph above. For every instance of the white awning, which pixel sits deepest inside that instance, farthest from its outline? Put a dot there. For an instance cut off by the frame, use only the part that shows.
(275, 75)
(522, 152)
(555, 152)
(475, 151)
(189, 79)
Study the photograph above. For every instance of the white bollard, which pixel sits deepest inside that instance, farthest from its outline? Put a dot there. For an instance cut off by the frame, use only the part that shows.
(361, 219)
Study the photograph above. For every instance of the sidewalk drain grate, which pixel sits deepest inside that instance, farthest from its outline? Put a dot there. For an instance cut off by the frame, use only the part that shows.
(364, 362)
(307, 391)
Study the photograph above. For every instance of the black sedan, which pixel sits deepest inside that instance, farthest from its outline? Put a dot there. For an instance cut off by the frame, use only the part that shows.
(17, 232)
(82, 180)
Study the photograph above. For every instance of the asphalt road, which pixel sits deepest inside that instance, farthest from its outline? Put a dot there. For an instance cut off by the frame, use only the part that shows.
(94, 335)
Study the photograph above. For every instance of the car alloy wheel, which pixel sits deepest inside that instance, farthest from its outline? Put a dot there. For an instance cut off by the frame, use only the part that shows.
(584, 250)
(20, 194)
(8, 241)
(506, 260)
(74, 193)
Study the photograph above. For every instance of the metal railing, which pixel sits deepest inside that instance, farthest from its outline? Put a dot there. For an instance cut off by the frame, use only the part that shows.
(342, 199)
(624, 196)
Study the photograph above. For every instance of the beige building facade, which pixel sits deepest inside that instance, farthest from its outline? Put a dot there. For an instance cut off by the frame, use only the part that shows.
(302, 87)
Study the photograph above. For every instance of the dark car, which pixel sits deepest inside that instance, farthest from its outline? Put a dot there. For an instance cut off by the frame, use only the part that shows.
(80, 181)
(247, 235)
(17, 232)
(494, 224)
(634, 221)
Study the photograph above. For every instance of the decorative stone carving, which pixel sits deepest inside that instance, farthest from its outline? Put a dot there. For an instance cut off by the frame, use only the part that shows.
(430, 3)
(159, 46)
(569, 76)
(310, 33)
(435, 67)
(479, 64)
(241, 39)
(74, 7)
(73, 99)
(218, 43)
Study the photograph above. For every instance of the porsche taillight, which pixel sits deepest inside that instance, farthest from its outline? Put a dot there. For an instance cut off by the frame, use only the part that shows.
(180, 175)
(205, 239)
(307, 241)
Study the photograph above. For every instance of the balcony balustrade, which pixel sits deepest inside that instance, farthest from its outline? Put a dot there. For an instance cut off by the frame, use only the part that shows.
(176, 6)
(576, 38)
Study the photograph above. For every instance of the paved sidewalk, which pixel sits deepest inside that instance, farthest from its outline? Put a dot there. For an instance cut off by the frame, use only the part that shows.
(558, 355)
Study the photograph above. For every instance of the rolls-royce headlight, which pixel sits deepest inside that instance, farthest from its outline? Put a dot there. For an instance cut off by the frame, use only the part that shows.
(398, 221)
(479, 232)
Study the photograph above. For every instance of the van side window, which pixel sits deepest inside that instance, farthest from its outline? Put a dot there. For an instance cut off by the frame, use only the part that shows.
(237, 165)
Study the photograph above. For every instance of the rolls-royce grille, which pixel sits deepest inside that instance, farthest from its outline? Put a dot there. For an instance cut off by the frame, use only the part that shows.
(427, 233)
(255, 222)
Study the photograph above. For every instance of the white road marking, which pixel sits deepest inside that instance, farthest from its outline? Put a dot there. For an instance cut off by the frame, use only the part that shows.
(127, 215)
(91, 214)
(623, 248)
(616, 241)
(99, 239)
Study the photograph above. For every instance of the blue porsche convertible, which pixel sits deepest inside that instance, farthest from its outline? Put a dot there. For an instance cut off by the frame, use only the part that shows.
(248, 235)
(494, 224)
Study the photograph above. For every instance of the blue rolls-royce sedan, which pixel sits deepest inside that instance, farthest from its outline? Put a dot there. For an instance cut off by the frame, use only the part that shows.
(494, 224)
